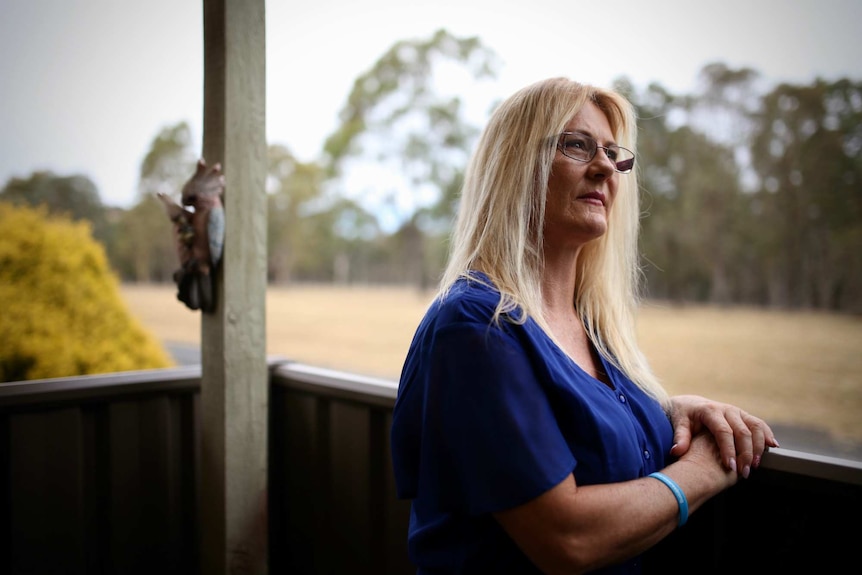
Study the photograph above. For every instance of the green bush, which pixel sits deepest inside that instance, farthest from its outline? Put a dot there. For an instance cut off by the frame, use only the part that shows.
(61, 311)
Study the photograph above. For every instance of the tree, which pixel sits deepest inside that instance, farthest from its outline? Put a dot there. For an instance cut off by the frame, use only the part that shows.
(168, 163)
(348, 246)
(691, 194)
(411, 141)
(688, 238)
(807, 152)
(724, 107)
(294, 188)
(144, 243)
(62, 310)
(75, 196)
(753, 198)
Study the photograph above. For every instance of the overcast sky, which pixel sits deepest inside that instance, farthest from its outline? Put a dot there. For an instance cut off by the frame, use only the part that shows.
(85, 85)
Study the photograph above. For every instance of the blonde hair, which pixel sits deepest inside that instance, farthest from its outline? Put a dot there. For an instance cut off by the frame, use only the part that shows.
(499, 226)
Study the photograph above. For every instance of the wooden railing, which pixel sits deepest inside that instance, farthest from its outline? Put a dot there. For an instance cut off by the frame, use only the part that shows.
(100, 474)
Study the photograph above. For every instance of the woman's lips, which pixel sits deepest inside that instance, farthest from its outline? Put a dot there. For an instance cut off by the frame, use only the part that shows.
(594, 196)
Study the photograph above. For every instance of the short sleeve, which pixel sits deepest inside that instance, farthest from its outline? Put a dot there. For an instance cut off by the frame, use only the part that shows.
(490, 440)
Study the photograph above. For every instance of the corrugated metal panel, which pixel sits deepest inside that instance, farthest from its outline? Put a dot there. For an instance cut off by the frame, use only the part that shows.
(333, 505)
(98, 482)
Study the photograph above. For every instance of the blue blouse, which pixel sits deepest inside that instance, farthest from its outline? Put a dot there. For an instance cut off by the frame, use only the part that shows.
(489, 416)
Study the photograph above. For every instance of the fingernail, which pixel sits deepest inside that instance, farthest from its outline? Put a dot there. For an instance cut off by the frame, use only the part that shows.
(745, 471)
(776, 443)
(756, 462)
(733, 464)
(672, 447)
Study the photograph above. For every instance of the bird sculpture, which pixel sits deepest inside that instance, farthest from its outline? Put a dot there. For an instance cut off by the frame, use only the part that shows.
(199, 235)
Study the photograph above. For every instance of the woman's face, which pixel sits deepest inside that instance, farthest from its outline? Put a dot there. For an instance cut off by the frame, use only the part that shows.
(580, 194)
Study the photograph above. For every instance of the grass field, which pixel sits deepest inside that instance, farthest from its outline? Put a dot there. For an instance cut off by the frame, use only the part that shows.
(800, 369)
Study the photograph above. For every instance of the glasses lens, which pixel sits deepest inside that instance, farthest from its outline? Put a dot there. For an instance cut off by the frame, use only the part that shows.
(624, 161)
(578, 146)
(622, 158)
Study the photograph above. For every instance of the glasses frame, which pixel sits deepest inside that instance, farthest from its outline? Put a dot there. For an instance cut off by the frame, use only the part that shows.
(595, 151)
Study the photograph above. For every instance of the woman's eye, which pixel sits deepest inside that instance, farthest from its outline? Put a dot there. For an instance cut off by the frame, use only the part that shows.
(613, 154)
(576, 143)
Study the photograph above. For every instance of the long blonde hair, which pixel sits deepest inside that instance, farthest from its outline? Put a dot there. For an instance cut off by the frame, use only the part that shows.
(499, 225)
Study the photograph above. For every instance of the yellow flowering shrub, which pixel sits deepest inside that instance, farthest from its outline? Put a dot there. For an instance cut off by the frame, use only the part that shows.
(61, 311)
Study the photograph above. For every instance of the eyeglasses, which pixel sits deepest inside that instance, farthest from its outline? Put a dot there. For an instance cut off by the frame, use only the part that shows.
(583, 148)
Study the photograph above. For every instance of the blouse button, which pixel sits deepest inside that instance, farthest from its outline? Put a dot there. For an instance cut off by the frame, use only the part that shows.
(647, 454)
(622, 398)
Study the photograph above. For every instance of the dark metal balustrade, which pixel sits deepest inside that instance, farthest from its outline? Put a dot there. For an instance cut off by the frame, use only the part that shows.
(99, 475)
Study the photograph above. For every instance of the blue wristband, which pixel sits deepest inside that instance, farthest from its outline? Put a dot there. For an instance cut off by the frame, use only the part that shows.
(677, 492)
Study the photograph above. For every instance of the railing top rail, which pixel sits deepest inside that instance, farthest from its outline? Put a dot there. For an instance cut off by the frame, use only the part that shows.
(99, 386)
(334, 379)
(814, 465)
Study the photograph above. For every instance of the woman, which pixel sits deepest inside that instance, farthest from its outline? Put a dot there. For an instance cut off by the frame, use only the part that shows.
(529, 431)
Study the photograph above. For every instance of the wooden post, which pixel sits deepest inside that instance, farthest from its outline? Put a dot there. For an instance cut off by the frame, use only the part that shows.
(235, 384)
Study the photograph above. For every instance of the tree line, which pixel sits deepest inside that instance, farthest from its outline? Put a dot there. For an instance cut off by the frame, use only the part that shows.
(752, 193)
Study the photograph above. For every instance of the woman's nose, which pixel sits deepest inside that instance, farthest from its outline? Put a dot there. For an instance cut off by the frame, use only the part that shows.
(602, 164)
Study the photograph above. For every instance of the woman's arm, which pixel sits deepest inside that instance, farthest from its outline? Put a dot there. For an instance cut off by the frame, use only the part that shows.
(742, 438)
(573, 529)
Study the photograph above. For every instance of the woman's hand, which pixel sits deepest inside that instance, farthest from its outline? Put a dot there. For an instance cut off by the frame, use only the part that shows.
(741, 437)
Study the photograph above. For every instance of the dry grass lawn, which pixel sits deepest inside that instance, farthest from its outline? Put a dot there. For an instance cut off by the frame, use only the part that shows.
(798, 368)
